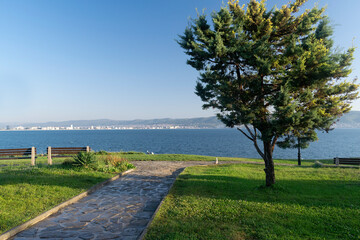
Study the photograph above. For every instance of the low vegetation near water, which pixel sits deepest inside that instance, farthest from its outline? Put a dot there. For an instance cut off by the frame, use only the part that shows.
(26, 192)
(139, 156)
(228, 202)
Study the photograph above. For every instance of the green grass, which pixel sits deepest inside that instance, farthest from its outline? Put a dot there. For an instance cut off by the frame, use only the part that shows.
(26, 192)
(39, 160)
(229, 202)
(186, 157)
(139, 156)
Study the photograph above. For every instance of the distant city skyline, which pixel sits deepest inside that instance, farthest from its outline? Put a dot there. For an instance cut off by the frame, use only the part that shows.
(65, 60)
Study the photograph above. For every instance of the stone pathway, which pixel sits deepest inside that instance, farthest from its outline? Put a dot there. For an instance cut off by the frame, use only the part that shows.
(120, 210)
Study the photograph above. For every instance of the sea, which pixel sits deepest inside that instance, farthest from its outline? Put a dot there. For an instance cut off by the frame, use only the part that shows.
(210, 142)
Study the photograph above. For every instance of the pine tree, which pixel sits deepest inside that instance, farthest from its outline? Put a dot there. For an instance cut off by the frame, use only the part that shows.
(272, 71)
(298, 140)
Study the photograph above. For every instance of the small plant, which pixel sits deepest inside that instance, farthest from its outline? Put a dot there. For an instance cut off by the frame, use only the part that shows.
(115, 163)
(84, 159)
(317, 164)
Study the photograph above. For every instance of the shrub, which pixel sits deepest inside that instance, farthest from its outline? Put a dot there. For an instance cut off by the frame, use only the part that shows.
(317, 164)
(84, 159)
(115, 163)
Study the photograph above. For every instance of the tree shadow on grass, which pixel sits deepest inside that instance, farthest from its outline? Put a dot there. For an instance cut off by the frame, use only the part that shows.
(303, 209)
(335, 193)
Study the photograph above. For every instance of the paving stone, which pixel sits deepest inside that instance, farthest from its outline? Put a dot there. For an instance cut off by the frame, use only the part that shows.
(28, 233)
(45, 223)
(132, 231)
(129, 238)
(66, 220)
(88, 217)
(151, 206)
(144, 215)
(114, 227)
(57, 234)
(77, 225)
(105, 236)
(115, 220)
(139, 222)
(86, 236)
(101, 221)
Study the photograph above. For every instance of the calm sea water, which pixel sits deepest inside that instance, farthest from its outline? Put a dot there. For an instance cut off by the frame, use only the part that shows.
(212, 142)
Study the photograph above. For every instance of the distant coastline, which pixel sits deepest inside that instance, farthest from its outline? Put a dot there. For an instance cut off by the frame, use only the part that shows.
(350, 120)
(105, 128)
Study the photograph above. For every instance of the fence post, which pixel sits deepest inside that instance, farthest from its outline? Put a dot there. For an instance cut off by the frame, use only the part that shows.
(33, 154)
(49, 155)
(87, 149)
(337, 161)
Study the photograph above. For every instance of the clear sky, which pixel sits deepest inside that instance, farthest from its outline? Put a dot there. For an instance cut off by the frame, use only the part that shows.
(84, 59)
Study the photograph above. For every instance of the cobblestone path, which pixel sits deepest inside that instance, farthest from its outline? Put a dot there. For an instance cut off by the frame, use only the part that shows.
(120, 210)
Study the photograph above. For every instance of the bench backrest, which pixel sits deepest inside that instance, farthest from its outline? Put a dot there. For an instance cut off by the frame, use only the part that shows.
(67, 150)
(16, 152)
(352, 161)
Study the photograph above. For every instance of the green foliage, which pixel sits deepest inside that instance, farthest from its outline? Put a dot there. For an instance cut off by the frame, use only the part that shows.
(84, 159)
(113, 163)
(226, 202)
(302, 141)
(274, 71)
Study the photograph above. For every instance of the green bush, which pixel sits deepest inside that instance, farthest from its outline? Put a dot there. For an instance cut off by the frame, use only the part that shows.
(84, 159)
(113, 163)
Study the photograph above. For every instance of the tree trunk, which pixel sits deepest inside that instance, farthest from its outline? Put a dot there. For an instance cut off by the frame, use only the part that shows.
(269, 163)
(299, 153)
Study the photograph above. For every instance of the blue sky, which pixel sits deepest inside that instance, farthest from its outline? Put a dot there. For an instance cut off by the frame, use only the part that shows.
(84, 59)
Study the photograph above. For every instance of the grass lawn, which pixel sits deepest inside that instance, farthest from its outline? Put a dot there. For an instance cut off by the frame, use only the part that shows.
(39, 160)
(185, 157)
(26, 192)
(228, 202)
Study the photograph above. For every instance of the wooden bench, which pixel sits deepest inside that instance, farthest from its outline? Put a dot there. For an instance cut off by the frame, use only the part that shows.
(19, 153)
(352, 161)
(64, 152)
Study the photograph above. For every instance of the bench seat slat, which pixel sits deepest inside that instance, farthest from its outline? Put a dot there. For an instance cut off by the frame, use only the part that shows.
(15, 154)
(68, 148)
(15, 149)
(10, 158)
(66, 152)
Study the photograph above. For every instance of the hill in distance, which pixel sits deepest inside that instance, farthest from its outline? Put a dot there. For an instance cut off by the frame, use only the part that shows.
(349, 120)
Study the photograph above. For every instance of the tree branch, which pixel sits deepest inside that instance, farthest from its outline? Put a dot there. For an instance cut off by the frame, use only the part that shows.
(251, 134)
(273, 143)
(239, 76)
(258, 150)
(245, 134)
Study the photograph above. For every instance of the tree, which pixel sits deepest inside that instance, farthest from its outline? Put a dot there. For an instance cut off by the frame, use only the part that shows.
(298, 140)
(271, 71)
